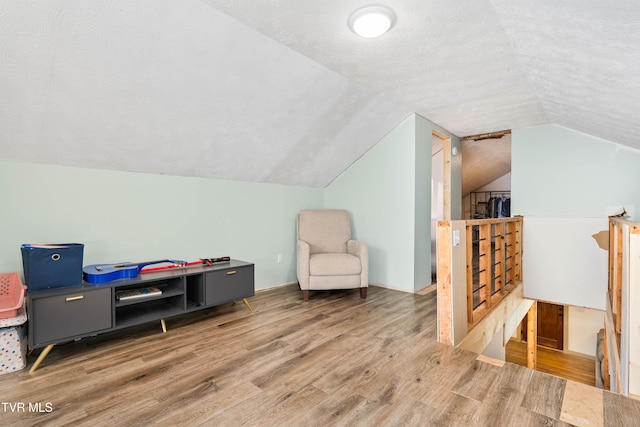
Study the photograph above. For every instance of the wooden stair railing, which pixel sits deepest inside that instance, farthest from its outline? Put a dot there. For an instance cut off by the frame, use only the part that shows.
(622, 319)
(480, 283)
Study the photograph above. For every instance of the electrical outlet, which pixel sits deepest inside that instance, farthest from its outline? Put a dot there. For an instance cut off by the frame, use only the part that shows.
(279, 258)
(456, 237)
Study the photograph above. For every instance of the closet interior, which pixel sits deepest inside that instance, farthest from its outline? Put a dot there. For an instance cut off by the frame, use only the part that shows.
(490, 204)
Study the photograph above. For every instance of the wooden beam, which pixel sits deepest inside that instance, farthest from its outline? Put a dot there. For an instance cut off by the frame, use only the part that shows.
(532, 336)
(491, 135)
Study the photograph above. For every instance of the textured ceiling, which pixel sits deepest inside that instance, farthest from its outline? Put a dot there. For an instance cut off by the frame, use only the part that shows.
(449, 61)
(281, 91)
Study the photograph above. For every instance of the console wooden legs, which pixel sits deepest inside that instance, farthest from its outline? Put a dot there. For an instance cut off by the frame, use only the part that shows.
(247, 304)
(44, 354)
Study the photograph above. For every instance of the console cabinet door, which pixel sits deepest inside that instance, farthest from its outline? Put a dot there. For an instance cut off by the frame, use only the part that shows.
(228, 285)
(58, 318)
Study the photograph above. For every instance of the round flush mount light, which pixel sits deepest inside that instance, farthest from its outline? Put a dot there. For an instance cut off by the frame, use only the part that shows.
(372, 21)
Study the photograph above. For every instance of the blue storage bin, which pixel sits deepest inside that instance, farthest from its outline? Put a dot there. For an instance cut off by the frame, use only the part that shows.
(52, 265)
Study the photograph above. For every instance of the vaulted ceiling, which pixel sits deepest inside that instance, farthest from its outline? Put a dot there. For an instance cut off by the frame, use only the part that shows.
(281, 91)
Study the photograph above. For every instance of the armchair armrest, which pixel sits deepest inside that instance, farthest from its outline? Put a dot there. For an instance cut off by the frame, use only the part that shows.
(302, 255)
(361, 250)
(357, 248)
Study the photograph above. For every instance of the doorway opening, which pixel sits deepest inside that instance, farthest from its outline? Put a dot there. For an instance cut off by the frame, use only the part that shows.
(486, 175)
(552, 356)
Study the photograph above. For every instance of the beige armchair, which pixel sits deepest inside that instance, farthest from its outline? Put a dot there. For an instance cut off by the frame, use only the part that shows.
(327, 257)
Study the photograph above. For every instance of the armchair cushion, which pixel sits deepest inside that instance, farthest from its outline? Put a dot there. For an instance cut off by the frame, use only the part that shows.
(334, 265)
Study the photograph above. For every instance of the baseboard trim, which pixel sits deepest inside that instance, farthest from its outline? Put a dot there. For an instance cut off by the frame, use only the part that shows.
(277, 286)
(424, 291)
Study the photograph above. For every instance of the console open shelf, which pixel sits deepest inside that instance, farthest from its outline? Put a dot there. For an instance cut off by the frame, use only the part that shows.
(168, 289)
(148, 311)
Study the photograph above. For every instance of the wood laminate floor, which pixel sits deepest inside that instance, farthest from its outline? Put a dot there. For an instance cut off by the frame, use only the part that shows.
(562, 364)
(336, 360)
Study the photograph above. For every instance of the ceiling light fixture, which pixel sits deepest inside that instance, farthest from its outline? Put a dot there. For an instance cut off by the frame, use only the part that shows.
(372, 21)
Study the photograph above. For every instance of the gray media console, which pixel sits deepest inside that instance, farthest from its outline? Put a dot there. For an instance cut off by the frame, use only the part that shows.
(69, 313)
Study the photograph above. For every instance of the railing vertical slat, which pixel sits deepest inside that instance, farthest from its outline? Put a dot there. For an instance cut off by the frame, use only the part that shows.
(499, 258)
(618, 281)
(485, 264)
(511, 251)
(469, 250)
(518, 257)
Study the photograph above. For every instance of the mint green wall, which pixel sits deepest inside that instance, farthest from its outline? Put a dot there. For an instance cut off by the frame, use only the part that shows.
(378, 190)
(422, 200)
(566, 183)
(557, 171)
(122, 216)
(388, 192)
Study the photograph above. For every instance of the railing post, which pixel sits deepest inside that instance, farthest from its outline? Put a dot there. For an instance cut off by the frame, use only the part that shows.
(469, 250)
(621, 319)
(617, 277)
(452, 277)
(532, 335)
(612, 233)
(631, 322)
(445, 290)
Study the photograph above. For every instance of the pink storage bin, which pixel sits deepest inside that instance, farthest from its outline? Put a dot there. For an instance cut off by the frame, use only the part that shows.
(11, 295)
